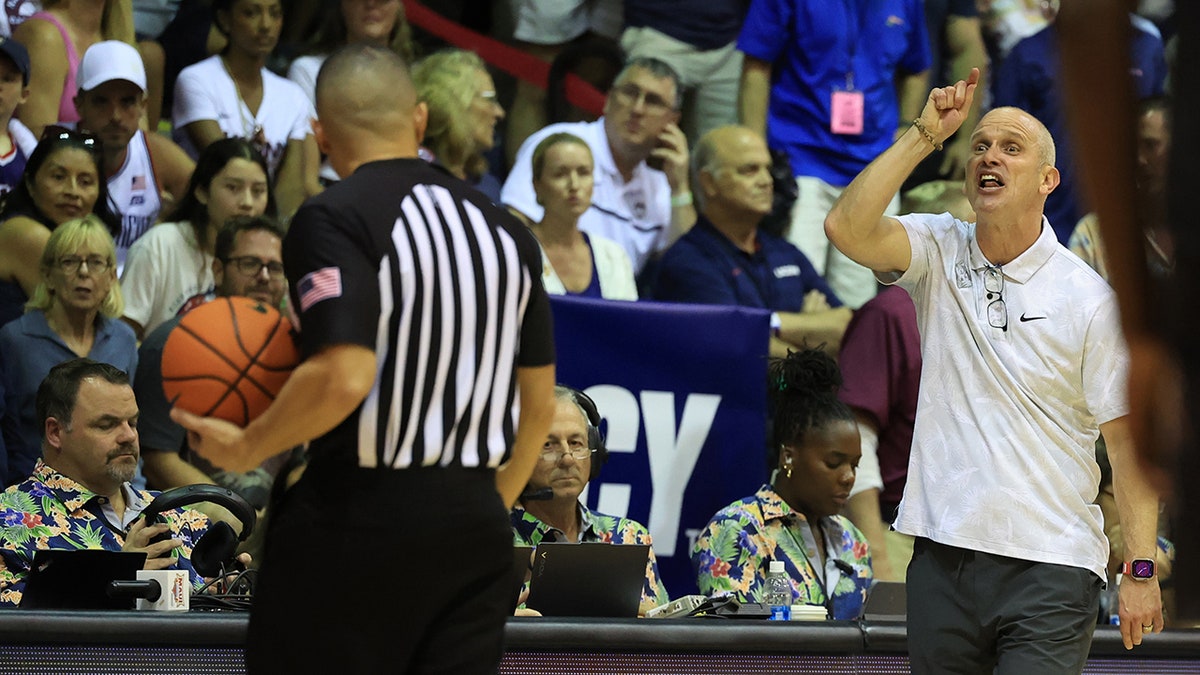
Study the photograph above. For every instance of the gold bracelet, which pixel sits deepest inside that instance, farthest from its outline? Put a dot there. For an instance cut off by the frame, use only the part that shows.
(925, 132)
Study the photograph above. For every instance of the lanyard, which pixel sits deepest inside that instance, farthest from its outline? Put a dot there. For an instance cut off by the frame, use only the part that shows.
(854, 23)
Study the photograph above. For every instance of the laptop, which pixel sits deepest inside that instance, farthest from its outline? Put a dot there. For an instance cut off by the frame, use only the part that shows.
(886, 601)
(595, 579)
(520, 574)
(66, 579)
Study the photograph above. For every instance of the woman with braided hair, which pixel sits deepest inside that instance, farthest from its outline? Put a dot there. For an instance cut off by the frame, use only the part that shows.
(813, 450)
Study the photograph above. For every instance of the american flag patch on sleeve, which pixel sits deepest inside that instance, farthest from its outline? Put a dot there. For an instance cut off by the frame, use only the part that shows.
(322, 284)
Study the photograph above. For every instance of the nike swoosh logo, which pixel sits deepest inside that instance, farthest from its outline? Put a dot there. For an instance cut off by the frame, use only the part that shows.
(1030, 318)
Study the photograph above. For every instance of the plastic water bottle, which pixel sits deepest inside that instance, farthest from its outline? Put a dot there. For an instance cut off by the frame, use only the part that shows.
(778, 592)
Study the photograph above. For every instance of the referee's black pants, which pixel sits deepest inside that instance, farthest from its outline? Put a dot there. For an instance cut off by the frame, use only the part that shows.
(384, 571)
(974, 612)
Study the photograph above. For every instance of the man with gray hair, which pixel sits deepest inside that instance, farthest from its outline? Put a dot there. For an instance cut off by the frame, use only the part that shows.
(642, 198)
(550, 509)
(727, 260)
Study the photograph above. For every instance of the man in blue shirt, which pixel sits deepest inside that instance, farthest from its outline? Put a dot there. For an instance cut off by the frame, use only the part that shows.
(726, 260)
(831, 83)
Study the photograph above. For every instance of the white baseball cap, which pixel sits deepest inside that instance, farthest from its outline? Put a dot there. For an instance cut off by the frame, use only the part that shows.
(110, 60)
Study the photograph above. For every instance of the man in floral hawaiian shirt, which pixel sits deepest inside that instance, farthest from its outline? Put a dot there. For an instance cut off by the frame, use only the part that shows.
(79, 496)
(565, 467)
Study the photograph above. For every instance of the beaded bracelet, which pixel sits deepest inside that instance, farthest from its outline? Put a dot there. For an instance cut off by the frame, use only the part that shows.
(925, 132)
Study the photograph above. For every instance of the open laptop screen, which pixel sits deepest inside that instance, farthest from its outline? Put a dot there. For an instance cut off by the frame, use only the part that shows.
(594, 579)
(62, 579)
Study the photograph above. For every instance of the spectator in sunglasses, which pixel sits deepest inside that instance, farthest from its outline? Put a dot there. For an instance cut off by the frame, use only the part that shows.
(63, 180)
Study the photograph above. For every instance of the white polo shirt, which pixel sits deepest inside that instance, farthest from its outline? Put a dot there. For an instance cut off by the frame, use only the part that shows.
(1003, 453)
(636, 215)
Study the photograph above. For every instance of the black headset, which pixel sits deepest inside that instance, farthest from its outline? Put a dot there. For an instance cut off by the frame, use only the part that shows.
(218, 544)
(595, 437)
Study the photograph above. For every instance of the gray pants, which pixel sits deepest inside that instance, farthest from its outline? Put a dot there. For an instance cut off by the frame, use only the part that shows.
(973, 612)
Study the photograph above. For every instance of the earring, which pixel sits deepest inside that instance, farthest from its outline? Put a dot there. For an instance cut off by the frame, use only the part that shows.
(788, 473)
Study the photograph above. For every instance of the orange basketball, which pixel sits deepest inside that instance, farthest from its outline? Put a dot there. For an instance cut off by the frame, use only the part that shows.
(229, 358)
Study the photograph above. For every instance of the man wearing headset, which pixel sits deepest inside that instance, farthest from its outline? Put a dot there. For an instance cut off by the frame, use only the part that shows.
(550, 510)
(79, 495)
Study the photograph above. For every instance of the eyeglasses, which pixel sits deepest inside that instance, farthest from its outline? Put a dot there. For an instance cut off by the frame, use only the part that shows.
(252, 266)
(629, 94)
(488, 97)
(576, 450)
(71, 263)
(997, 311)
(55, 132)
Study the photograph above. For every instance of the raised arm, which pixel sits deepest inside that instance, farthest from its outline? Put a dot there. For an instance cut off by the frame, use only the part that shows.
(673, 152)
(856, 224)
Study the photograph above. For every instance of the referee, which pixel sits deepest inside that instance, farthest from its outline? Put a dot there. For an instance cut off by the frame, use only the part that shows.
(425, 328)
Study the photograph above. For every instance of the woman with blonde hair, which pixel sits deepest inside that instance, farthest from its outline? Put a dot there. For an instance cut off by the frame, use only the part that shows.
(463, 112)
(574, 262)
(73, 312)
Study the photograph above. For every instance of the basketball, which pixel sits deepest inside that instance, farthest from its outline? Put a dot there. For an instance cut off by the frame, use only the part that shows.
(228, 358)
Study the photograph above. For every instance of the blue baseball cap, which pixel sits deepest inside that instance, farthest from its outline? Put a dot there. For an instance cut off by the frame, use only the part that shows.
(16, 51)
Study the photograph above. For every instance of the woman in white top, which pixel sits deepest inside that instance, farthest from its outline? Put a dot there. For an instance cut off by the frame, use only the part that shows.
(233, 94)
(169, 269)
(574, 263)
(376, 22)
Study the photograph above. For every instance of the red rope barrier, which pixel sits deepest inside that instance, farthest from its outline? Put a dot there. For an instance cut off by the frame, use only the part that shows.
(508, 59)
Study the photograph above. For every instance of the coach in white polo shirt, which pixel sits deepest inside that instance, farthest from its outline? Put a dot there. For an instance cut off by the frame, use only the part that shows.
(1023, 365)
(643, 209)
(147, 173)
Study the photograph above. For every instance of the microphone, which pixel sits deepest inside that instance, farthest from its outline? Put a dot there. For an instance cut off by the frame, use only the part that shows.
(148, 589)
(162, 590)
(537, 495)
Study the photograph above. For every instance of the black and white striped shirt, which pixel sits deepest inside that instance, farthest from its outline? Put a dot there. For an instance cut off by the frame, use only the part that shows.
(445, 287)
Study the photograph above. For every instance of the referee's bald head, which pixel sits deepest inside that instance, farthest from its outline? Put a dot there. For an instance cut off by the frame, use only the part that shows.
(365, 87)
(367, 108)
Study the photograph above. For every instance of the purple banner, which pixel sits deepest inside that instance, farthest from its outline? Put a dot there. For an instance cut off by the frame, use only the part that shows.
(682, 389)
